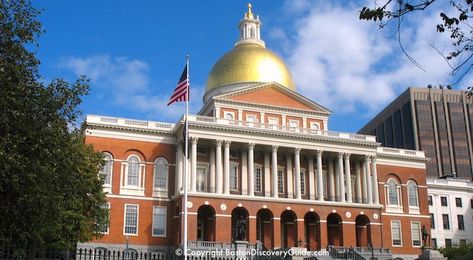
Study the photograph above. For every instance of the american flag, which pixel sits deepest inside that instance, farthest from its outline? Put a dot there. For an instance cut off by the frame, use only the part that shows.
(180, 94)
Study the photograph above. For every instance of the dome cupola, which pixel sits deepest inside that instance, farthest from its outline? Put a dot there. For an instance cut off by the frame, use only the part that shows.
(248, 63)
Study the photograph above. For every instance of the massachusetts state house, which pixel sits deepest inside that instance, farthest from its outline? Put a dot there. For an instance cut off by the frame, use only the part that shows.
(265, 171)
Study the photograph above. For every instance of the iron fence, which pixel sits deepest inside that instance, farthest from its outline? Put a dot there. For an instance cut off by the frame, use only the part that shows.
(84, 254)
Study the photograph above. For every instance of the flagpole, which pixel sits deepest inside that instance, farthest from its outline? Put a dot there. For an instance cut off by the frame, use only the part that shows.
(186, 166)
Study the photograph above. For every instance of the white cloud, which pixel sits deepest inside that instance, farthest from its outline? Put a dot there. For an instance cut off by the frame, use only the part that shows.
(126, 83)
(349, 65)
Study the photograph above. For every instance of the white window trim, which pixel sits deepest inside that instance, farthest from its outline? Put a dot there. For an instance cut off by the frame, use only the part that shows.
(137, 219)
(293, 128)
(160, 191)
(302, 173)
(420, 234)
(413, 209)
(280, 168)
(108, 225)
(251, 123)
(165, 219)
(232, 114)
(138, 190)
(390, 207)
(108, 187)
(232, 165)
(400, 233)
(312, 124)
(273, 125)
(206, 168)
(260, 167)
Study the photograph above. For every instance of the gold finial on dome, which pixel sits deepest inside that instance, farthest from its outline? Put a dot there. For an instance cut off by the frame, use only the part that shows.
(249, 14)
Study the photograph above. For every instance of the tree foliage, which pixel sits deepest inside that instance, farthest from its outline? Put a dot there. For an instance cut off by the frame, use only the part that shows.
(455, 23)
(49, 190)
(458, 252)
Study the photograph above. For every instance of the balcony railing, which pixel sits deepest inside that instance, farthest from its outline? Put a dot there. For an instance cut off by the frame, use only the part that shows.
(281, 128)
(140, 124)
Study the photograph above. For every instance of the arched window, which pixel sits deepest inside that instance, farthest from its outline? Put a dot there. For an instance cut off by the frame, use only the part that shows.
(133, 171)
(393, 193)
(412, 194)
(107, 168)
(161, 173)
(229, 116)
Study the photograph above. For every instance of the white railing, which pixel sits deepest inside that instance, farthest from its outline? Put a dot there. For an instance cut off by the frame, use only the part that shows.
(401, 152)
(152, 125)
(116, 121)
(286, 129)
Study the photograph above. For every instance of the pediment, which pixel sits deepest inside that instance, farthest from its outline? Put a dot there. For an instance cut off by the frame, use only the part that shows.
(273, 94)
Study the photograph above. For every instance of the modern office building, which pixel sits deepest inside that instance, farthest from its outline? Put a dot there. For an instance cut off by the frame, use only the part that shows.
(438, 121)
(264, 170)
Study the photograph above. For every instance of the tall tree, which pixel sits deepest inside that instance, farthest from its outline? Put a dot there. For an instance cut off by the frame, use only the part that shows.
(455, 22)
(50, 192)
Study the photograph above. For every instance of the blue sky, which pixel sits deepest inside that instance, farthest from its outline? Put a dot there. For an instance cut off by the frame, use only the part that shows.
(134, 52)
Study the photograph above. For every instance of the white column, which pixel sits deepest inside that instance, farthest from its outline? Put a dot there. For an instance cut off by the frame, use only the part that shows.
(297, 172)
(331, 180)
(218, 167)
(274, 171)
(267, 175)
(194, 141)
(364, 190)
(369, 198)
(374, 172)
(212, 170)
(226, 167)
(348, 178)
(341, 182)
(320, 182)
(311, 178)
(289, 184)
(244, 172)
(178, 168)
(251, 170)
(359, 199)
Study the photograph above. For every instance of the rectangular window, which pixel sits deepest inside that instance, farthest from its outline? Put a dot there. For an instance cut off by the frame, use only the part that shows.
(202, 150)
(434, 243)
(462, 242)
(396, 232)
(273, 122)
(251, 119)
(302, 183)
(280, 181)
(430, 200)
(105, 228)
(294, 125)
(131, 219)
(159, 221)
(201, 179)
(234, 177)
(258, 179)
(432, 221)
(471, 203)
(443, 201)
(415, 234)
(461, 223)
(458, 202)
(448, 242)
(446, 222)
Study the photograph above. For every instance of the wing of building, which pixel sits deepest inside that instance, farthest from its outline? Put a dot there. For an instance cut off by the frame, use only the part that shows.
(439, 121)
(265, 171)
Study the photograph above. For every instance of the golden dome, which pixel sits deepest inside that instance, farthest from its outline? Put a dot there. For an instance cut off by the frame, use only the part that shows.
(249, 63)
